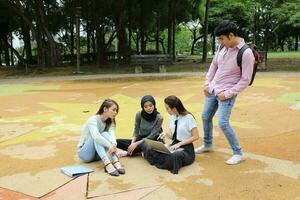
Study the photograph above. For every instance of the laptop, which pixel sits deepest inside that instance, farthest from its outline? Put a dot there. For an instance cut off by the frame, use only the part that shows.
(160, 147)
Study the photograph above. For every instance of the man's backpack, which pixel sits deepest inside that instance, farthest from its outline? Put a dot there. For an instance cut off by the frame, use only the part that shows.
(240, 57)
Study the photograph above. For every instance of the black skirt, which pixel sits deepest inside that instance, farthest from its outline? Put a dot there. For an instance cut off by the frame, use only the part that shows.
(174, 161)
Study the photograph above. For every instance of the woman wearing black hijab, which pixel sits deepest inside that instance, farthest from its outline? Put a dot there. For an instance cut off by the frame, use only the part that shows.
(148, 124)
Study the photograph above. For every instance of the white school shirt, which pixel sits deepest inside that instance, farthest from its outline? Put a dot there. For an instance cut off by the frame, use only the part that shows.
(185, 124)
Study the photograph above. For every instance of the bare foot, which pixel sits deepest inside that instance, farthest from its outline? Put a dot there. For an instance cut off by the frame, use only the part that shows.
(121, 153)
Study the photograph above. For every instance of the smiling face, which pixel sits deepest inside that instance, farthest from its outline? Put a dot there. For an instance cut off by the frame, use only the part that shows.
(148, 107)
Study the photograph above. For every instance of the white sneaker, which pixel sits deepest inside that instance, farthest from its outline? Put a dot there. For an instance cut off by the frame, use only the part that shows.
(204, 148)
(235, 159)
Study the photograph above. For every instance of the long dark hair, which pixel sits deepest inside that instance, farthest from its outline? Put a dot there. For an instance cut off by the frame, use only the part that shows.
(174, 102)
(107, 103)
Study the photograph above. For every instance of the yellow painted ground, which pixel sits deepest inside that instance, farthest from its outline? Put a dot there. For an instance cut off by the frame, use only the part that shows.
(40, 125)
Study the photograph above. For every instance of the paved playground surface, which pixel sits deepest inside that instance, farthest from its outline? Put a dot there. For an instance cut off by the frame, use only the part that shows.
(40, 123)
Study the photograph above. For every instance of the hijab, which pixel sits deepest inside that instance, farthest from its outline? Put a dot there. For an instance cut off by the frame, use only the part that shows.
(145, 115)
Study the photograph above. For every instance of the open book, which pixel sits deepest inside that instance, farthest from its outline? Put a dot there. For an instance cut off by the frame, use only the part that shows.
(75, 170)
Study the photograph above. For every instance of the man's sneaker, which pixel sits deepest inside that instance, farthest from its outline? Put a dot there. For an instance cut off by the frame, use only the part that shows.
(235, 159)
(204, 148)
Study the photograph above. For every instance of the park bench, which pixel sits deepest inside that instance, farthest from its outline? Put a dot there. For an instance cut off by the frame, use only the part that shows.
(154, 61)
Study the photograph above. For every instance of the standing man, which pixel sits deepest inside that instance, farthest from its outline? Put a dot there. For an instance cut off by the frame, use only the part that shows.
(224, 81)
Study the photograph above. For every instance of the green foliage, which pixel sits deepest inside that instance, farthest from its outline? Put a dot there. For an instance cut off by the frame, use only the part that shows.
(271, 24)
(287, 54)
(183, 40)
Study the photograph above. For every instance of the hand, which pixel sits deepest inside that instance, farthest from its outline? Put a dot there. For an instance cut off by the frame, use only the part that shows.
(221, 96)
(112, 149)
(175, 146)
(206, 91)
(131, 148)
(161, 136)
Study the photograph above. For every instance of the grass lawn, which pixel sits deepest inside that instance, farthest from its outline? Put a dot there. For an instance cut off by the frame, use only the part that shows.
(290, 54)
(277, 61)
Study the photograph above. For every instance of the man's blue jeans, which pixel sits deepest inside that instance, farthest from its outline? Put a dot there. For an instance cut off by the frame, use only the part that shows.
(92, 150)
(211, 105)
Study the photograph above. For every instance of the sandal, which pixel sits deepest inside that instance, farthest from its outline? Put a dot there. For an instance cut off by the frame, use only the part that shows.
(113, 173)
(120, 170)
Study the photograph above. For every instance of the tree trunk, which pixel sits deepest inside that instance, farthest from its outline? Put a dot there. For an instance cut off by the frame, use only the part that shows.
(94, 42)
(40, 52)
(296, 42)
(204, 53)
(162, 45)
(100, 45)
(123, 46)
(282, 45)
(142, 27)
(130, 27)
(88, 40)
(137, 44)
(72, 39)
(194, 41)
(255, 25)
(129, 34)
(52, 53)
(120, 19)
(21, 59)
(11, 50)
(27, 44)
(35, 29)
(157, 32)
(6, 51)
(43, 51)
(0, 52)
(174, 31)
(213, 44)
(170, 26)
(266, 45)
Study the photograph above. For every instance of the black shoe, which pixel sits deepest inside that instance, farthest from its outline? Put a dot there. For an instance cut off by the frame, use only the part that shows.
(113, 173)
(121, 170)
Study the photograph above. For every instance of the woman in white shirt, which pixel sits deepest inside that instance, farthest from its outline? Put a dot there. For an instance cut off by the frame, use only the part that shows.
(183, 131)
(98, 139)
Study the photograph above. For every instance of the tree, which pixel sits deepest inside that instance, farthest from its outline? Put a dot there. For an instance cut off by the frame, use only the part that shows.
(34, 15)
(204, 54)
(272, 15)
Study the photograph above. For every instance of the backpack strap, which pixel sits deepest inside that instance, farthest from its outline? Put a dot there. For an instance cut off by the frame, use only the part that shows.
(240, 55)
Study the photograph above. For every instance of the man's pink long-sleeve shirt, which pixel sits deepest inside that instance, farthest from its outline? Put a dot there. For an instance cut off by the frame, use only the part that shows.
(224, 74)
